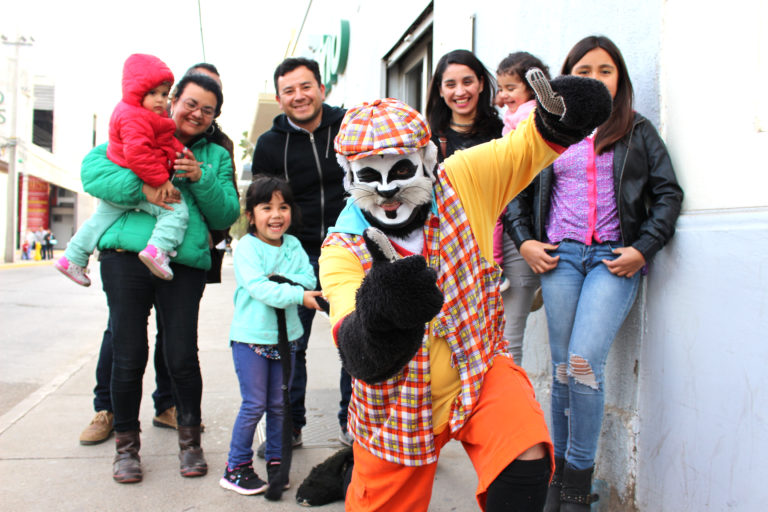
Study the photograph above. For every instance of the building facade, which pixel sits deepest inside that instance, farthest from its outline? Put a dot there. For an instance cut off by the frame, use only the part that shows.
(39, 190)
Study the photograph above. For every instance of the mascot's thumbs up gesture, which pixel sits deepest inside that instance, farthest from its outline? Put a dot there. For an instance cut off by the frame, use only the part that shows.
(415, 305)
(394, 302)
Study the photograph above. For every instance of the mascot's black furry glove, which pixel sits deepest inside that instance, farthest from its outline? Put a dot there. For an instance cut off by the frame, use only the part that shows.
(569, 108)
(394, 301)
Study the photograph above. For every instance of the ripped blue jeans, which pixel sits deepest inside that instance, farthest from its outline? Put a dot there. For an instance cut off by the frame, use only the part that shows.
(585, 306)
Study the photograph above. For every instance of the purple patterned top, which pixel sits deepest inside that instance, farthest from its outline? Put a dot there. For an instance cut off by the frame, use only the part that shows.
(583, 204)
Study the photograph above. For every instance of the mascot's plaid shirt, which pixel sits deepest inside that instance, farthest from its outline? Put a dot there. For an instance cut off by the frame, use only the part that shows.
(393, 419)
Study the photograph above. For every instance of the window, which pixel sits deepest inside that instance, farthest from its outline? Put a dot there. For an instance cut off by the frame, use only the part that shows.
(42, 117)
(42, 134)
(409, 63)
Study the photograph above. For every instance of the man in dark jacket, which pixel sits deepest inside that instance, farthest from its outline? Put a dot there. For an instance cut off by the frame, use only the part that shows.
(299, 148)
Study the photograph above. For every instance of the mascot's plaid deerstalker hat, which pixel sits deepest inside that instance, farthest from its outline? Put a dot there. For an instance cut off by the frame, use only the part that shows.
(386, 126)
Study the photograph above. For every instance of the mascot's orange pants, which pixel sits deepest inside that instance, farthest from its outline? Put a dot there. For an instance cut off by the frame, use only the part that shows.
(506, 421)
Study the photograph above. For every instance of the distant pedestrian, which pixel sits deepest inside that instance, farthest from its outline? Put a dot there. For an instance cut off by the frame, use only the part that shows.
(589, 224)
(265, 251)
(24, 250)
(141, 138)
(30, 239)
(54, 242)
(39, 240)
(48, 241)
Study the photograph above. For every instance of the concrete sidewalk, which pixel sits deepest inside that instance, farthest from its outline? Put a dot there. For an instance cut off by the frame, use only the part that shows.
(43, 467)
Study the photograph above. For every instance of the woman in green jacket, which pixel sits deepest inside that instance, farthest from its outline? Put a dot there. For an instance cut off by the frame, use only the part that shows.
(207, 187)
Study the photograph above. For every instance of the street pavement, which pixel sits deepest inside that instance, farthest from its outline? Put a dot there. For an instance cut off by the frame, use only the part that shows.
(50, 332)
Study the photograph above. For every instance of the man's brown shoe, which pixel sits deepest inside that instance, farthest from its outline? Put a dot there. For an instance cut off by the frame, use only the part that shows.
(166, 419)
(99, 429)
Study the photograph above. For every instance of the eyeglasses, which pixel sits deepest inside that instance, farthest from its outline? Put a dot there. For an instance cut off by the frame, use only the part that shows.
(191, 105)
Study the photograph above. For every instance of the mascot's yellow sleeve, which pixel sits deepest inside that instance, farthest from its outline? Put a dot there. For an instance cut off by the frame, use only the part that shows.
(340, 276)
(488, 176)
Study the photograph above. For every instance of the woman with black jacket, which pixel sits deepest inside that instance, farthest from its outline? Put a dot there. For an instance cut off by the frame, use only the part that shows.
(588, 225)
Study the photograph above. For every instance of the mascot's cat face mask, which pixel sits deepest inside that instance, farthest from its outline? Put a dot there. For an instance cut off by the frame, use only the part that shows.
(391, 188)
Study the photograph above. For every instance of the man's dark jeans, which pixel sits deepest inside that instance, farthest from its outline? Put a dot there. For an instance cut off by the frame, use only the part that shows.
(299, 382)
(162, 397)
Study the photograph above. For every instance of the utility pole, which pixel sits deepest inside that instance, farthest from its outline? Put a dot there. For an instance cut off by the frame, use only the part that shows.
(13, 143)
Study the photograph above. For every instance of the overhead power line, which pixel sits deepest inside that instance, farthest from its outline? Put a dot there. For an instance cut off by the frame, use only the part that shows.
(200, 22)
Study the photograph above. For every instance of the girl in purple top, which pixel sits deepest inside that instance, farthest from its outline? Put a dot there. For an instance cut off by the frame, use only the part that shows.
(588, 225)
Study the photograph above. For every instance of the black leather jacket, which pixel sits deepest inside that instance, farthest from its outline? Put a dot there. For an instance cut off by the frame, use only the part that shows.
(646, 189)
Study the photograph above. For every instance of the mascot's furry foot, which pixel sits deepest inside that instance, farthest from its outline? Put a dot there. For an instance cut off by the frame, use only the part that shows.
(328, 481)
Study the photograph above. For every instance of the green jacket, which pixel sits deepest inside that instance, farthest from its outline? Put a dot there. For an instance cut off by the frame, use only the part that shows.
(212, 202)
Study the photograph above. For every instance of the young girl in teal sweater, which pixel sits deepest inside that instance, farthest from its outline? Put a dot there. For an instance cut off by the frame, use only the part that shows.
(264, 252)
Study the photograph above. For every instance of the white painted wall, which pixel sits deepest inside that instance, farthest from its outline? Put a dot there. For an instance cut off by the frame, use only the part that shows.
(704, 390)
(714, 100)
(703, 437)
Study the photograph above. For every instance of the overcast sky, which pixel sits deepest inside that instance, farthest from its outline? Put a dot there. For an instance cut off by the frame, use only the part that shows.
(82, 44)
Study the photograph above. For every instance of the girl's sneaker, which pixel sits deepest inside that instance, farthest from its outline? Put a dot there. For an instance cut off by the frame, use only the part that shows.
(73, 271)
(243, 480)
(158, 262)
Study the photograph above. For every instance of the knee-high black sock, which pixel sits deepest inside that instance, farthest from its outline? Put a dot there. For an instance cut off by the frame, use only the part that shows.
(521, 487)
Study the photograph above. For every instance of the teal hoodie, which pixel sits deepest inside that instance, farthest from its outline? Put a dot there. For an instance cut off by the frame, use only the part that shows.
(212, 202)
(256, 297)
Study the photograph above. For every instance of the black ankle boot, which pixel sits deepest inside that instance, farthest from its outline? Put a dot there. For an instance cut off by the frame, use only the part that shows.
(126, 468)
(192, 462)
(555, 486)
(575, 495)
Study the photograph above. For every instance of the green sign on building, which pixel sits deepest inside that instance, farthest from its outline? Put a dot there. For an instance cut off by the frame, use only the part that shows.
(333, 56)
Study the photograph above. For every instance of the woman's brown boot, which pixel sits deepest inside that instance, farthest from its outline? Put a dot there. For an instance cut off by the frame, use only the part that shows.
(192, 462)
(126, 468)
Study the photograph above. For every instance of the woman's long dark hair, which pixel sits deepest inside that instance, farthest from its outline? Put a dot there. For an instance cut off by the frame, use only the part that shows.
(622, 116)
(487, 120)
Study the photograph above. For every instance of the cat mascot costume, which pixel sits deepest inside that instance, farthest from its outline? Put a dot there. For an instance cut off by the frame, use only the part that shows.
(416, 311)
